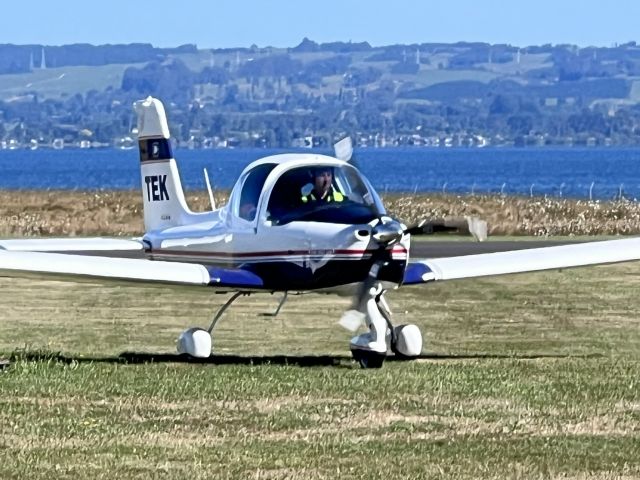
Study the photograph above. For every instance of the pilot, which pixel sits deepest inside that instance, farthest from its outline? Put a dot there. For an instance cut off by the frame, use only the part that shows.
(323, 190)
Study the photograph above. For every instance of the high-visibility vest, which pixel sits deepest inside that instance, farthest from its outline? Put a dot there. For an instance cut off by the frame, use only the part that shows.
(333, 196)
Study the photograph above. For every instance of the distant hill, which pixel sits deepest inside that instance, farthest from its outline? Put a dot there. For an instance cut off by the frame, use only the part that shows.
(431, 93)
(26, 58)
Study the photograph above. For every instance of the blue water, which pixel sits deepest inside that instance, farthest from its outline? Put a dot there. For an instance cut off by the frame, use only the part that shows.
(566, 172)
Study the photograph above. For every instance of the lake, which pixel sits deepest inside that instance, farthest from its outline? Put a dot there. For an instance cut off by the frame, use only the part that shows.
(602, 173)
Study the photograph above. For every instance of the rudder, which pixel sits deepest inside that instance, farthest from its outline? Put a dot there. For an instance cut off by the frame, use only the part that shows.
(162, 194)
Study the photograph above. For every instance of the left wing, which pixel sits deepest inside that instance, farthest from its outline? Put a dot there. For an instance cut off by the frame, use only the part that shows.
(500, 263)
(79, 267)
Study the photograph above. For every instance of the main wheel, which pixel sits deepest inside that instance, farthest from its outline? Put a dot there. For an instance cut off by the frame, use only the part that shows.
(407, 342)
(195, 342)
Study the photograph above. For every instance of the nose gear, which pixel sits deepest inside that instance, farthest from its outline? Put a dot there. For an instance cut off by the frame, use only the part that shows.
(370, 349)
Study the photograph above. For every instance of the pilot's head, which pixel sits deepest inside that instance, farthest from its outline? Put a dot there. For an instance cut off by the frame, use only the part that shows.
(322, 178)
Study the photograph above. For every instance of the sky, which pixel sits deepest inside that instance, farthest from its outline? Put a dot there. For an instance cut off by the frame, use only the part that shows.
(284, 23)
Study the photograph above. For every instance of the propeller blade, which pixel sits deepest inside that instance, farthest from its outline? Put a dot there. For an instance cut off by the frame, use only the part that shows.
(352, 320)
(467, 225)
(368, 283)
(419, 228)
(344, 149)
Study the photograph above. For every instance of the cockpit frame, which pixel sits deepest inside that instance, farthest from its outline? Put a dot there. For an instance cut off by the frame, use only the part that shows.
(287, 178)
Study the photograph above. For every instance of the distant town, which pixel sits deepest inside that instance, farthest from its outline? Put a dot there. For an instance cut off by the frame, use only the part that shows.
(437, 95)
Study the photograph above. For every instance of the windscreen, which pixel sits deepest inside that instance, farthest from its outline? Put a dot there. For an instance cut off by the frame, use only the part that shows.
(335, 194)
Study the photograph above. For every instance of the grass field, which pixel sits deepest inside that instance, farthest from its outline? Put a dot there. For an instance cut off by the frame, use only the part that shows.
(55, 82)
(525, 376)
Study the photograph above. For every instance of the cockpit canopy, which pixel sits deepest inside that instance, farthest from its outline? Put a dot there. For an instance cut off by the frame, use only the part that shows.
(333, 192)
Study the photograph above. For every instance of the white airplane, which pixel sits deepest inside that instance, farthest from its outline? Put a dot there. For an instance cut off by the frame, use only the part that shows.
(294, 223)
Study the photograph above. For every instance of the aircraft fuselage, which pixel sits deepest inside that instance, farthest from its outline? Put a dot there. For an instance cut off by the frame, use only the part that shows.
(295, 256)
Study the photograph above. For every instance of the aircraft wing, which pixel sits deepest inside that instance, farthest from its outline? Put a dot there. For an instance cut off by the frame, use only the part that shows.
(71, 244)
(516, 261)
(80, 267)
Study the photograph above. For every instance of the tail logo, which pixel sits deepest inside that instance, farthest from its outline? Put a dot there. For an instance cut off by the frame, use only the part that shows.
(156, 188)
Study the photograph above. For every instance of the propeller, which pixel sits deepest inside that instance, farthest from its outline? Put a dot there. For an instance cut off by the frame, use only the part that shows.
(386, 232)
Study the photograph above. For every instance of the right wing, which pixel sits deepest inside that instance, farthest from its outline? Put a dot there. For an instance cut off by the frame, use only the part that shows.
(71, 244)
(517, 261)
(79, 267)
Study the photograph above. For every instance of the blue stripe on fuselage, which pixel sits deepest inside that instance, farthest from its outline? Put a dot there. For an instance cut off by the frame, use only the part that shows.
(234, 278)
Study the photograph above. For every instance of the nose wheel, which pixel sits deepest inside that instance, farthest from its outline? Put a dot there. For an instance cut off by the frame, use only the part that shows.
(370, 349)
(368, 358)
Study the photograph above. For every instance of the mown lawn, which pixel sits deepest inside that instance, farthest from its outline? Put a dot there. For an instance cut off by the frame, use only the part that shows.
(525, 376)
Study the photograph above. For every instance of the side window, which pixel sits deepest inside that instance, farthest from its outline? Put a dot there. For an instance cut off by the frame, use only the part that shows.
(251, 190)
(288, 191)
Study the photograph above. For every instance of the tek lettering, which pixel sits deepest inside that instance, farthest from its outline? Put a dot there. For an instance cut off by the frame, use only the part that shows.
(156, 188)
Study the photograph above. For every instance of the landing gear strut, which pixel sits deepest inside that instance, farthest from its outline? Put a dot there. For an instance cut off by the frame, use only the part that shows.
(195, 341)
(369, 349)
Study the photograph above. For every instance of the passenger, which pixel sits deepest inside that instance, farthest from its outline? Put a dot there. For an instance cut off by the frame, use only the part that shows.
(323, 190)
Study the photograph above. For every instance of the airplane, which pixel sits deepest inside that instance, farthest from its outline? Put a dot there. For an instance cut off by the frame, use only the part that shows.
(294, 223)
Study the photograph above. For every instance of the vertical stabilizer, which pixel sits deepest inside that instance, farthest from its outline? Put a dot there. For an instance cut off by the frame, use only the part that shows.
(162, 194)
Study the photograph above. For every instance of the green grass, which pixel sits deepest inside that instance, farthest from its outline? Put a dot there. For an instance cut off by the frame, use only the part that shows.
(54, 82)
(527, 62)
(524, 376)
(427, 77)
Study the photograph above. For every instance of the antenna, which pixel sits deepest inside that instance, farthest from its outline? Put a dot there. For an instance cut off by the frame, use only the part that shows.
(206, 180)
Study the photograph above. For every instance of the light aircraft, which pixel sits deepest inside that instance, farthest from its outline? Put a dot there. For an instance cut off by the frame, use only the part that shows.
(280, 233)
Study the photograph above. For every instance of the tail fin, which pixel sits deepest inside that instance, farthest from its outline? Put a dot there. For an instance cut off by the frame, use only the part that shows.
(162, 194)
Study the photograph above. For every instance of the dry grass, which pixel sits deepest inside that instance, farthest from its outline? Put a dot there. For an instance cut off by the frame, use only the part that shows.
(526, 216)
(53, 213)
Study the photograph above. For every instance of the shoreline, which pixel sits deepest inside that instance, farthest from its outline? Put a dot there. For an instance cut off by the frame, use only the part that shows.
(31, 213)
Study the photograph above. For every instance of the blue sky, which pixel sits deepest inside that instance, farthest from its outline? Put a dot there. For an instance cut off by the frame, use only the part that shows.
(282, 23)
